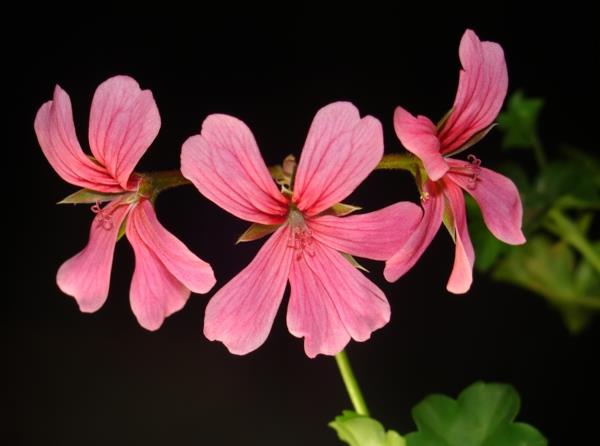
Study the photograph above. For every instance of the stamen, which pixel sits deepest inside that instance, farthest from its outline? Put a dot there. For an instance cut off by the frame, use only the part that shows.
(476, 167)
(301, 236)
(103, 219)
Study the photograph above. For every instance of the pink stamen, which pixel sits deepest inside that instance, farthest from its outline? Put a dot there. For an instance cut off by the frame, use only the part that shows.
(472, 170)
(301, 240)
(103, 219)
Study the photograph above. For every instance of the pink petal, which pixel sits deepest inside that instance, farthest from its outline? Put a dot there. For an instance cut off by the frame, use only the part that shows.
(55, 131)
(498, 199)
(419, 136)
(481, 91)
(242, 312)
(415, 244)
(464, 256)
(331, 302)
(194, 273)
(124, 121)
(340, 151)
(155, 293)
(376, 235)
(224, 163)
(86, 276)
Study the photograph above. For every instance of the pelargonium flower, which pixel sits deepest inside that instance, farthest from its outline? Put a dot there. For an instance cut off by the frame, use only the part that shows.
(481, 91)
(124, 121)
(330, 301)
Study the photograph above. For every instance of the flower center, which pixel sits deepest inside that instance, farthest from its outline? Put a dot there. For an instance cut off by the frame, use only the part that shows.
(102, 218)
(301, 238)
(472, 171)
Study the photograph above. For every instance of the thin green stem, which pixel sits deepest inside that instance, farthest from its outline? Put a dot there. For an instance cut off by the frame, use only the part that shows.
(351, 384)
(562, 226)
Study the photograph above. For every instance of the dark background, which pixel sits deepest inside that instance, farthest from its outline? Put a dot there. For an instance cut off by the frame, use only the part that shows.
(77, 379)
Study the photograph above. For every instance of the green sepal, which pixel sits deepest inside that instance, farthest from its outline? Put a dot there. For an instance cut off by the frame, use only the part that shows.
(354, 262)
(256, 231)
(89, 196)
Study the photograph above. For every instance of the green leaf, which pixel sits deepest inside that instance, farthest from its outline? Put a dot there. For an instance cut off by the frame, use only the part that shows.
(482, 415)
(88, 196)
(360, 430)
(256, 231)
(519, 121)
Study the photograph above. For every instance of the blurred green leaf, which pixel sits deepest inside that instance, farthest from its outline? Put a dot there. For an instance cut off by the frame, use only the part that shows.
(519, 121)
(360, 430)
(482, 415)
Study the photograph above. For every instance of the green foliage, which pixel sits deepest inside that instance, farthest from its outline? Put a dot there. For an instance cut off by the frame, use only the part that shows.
(482, 415)
(360, 430)
(519, 121)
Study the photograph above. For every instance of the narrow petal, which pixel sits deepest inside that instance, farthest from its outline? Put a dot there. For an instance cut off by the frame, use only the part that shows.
(86, 276)
(155, 293)
(331, 302)
(464, 256)
(377, 235)
(415, 244)
(481, 91)
(194, 273)
(55, 131)
(498, 199)
(124, 120)
(419, 136)
(242, 312)
(340, 151)
(224, 163)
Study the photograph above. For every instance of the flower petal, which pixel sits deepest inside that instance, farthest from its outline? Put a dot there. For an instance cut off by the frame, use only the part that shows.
(224, 163)
(481, 91)
(415, 244)
(242, 312)
(55, 131)
(155, 293)
(124, 120)
(419, 136)
(464, 256)
(194, 273)
(86, 276)
(376, 235)
(340, 151)
(331, 302)
(498, 199)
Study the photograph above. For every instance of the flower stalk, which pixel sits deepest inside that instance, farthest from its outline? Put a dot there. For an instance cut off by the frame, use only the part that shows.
(352, 387)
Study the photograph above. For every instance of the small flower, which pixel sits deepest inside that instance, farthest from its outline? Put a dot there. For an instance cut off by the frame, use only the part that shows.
(124, 121)
(330, 301)
(481, 91)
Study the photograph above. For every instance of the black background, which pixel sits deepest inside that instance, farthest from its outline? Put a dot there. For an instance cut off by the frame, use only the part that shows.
(76, 379)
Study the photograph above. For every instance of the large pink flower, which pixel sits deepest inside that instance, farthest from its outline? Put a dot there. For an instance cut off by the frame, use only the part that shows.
(330, 301)
(124, 121)
(481, 92)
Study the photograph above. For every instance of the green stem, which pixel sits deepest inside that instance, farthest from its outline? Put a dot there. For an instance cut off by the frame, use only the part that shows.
(399, 161)
(351, 384)
(154, 183)
(563, 227)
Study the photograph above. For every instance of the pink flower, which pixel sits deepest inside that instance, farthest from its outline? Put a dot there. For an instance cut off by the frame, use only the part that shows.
(481, 91)
(330, 301)
(124, 121)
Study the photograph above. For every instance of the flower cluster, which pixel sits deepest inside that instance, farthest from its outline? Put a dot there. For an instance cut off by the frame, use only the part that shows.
(312, 235)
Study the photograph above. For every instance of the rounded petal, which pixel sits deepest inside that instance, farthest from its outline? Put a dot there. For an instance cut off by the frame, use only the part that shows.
(498, 199)
(340, 151)
(224, 163)
(417, 242)
(461, 276)
(331, 302)
(194, 273)
(124, 120)
(375, 235)
(419, 136)
(86, 276)
(481, 91)
(241, 314)
(55, 131)
(155, 293)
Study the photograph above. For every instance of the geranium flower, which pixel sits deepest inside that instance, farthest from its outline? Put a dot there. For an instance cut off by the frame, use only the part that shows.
(481, 92)
(124, 121)
(330, 301)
